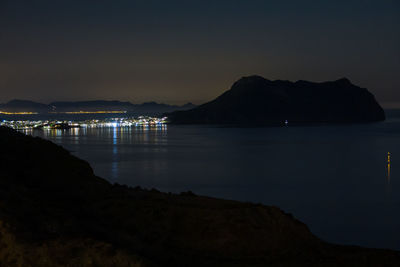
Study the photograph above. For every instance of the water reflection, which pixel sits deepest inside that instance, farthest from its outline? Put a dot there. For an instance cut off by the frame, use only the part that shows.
(114, 164)
(335, 181)
(388, 167)
(388, 178)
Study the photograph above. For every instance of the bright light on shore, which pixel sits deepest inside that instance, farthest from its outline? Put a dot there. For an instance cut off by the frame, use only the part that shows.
(92, 112)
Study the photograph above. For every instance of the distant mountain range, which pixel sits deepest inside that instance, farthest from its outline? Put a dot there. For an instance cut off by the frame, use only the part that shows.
(24, 106)
(255, 100)
(148, 108)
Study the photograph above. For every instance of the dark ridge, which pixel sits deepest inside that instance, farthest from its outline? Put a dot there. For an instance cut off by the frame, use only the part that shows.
(155, 108)
(18, 105)
(147, 108)
(90, 103)
(55, 212)
(258, 101)
(95, 105)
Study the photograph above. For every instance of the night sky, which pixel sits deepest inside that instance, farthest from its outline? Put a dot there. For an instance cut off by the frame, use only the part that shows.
(180, 51)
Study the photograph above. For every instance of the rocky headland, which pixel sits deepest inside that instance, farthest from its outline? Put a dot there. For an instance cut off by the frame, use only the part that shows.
(255, 100)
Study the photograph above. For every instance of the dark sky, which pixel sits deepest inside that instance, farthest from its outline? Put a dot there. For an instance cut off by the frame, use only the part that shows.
(179, 51)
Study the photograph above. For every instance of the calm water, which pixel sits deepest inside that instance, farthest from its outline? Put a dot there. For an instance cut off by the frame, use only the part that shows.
(333, 178)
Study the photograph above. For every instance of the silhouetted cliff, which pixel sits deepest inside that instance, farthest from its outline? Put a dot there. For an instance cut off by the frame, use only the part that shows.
(255, 100)
(55, 212)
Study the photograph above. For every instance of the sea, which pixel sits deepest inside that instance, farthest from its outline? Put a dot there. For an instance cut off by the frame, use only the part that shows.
(343, 181)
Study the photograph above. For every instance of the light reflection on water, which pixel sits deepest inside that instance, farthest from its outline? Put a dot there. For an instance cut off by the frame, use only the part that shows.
(333, 178)
(114, 167)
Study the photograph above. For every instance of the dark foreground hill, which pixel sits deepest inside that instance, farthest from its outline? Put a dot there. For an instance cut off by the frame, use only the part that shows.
(55, 212)
(255, 100)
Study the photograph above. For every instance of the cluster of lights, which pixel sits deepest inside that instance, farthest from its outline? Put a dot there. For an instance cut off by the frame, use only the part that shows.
(142, 121)
(92, 112)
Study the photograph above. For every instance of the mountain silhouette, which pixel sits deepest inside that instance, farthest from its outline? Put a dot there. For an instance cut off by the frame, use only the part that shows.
(256, 100)
(17, 105)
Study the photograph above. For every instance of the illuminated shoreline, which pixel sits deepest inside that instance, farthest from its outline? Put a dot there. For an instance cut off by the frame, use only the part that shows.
(141, 121)
(66, 112)
(92, 112)
(18, 113)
